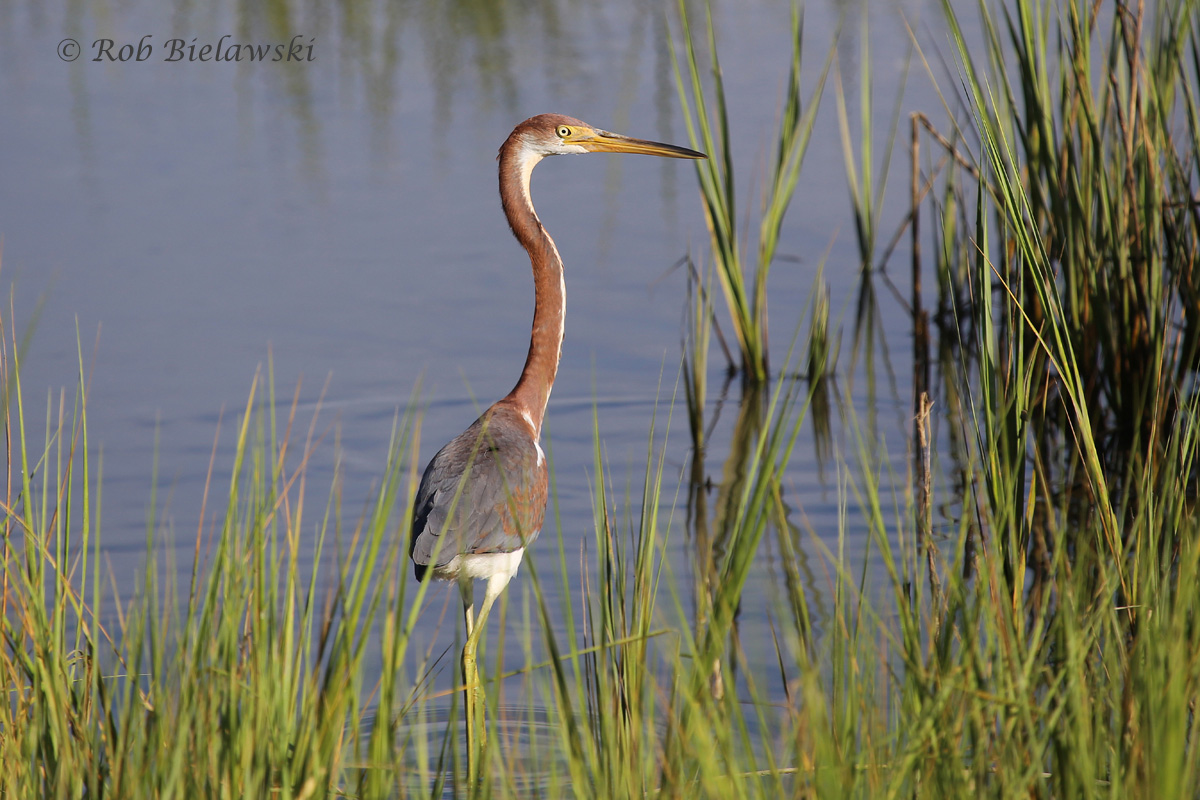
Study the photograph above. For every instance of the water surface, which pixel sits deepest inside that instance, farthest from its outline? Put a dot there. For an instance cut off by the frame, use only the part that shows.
(184, 222)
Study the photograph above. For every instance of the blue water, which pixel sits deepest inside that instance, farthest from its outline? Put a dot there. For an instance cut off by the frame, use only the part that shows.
(182, 222)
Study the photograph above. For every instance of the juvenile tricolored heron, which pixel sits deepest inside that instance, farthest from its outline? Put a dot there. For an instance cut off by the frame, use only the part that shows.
(482, 498)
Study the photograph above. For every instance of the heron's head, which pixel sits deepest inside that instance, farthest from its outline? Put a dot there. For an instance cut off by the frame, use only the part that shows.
(555, 134)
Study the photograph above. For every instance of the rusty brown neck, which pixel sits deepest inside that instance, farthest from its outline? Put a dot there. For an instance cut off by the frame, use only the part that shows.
(532, 392)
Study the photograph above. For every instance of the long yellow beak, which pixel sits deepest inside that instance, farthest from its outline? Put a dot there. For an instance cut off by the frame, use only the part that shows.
(605, 142)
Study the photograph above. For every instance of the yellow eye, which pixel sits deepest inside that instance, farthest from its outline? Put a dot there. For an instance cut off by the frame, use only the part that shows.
(563, 131)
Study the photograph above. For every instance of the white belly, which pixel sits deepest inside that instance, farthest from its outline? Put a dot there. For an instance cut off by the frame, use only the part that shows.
(482, 566)
(496, 568)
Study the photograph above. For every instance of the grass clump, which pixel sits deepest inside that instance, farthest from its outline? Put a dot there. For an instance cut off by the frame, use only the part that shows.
(743, 280)
(249, 682)
(1086, 119)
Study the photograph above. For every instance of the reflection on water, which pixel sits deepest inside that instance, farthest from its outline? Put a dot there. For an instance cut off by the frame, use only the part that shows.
(381, 55)
(528, 737)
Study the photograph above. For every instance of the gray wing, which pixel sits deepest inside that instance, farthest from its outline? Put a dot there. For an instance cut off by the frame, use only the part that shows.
(502, 502)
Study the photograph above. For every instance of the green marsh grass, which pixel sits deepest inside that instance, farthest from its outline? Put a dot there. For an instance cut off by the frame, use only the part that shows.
(867, 183)
(743, 278)
(1093, 109)
(287, 674)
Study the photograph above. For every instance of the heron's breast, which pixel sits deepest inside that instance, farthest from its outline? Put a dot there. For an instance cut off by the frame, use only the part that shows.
(523, 507)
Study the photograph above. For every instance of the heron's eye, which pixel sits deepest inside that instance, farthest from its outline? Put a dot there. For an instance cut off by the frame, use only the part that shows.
(563, 131)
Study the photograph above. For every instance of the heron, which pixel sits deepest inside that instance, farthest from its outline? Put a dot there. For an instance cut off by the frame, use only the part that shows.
(482, 498)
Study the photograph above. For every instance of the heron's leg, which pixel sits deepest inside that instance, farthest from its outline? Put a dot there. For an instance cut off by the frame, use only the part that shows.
(472, 688)
(470, 671)
(488, 599)
(466, 591)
